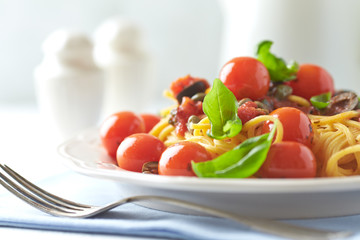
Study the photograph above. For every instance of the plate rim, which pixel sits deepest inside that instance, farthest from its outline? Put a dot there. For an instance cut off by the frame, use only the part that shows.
(248, 185)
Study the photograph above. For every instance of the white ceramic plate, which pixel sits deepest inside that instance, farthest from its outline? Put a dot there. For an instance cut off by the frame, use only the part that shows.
(269, 198)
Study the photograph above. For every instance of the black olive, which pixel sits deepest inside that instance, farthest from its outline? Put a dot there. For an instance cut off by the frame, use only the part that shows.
(199, 96)
(342, 102)
(340, 91)
(263, 106)
(282, 91)
(193, 119)
(244, 100)
(150, 168)
(268, 104)
(191, 90)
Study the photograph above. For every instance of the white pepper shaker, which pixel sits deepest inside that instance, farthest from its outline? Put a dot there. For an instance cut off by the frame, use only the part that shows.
(69, 85)
(119, 51)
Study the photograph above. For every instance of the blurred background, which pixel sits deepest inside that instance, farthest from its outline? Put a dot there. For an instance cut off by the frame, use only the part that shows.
(181, 37)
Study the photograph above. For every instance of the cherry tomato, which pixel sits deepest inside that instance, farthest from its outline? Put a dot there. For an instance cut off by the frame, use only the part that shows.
(312, 80)
(176, 159)
(289, 160)
(118, 126)
(137, 149)
(150, 120)
(246, 77)
(296, 124)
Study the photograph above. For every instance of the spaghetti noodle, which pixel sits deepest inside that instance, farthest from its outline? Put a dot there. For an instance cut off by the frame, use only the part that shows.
(336, 144)
(198, 133)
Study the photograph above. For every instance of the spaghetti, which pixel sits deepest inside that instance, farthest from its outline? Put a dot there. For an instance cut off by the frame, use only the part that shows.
(336, 144)
(198, 133)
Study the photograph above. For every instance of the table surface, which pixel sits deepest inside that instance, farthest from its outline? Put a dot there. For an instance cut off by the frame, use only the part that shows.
(26, 145)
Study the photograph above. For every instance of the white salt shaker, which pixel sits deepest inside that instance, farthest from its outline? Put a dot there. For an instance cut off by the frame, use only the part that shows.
(69, 85)
(119, 51)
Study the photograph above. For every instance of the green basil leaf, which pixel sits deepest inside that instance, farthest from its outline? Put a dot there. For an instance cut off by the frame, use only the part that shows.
(233, 127)
(220, 106)
(278, 69)
(321, 101)
(241, 162)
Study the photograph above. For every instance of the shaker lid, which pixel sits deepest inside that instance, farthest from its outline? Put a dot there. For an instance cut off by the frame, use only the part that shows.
(70, 48)
(119, 34)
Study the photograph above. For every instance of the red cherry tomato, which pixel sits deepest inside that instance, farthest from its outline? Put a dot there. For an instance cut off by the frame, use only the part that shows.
(296, 124)
(312, 80)
(176, 159)
(150, 120)
(289, 160)
(138, 149)
(246, 77)
(118, 126)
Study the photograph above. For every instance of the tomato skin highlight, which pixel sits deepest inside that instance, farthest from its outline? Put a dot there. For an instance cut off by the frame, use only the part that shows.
(137, 149)
(150, 120)
(296, 124)
(118, 126)
(246, 77)
(312, 80)
(176, 159)
(289, 160)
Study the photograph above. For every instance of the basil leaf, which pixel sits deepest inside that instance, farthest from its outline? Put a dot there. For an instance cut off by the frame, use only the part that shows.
(221, 107)
(242, 161)
(278, 69)
(321, 101)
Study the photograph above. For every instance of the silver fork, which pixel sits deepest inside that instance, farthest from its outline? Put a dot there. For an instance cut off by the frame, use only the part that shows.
(60, 207)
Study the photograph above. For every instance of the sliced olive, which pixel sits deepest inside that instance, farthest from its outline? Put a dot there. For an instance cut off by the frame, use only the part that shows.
(193, 119)
(150, 168)
(268, 102)
(263, 106)
(342, 102)
(282, 91)
(199, 96)
(340, 91)
(189, 91)
(172, 119)
(244, 100)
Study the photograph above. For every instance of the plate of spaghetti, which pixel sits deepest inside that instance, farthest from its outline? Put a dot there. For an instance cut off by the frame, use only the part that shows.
(266, 138)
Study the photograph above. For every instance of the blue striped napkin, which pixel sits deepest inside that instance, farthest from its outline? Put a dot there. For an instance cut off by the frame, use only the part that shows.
(135, 220)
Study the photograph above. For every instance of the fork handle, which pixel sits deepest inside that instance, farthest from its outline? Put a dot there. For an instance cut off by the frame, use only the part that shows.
(267, 226)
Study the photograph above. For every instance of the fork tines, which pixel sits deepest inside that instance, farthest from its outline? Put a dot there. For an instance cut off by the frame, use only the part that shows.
(35, 196)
